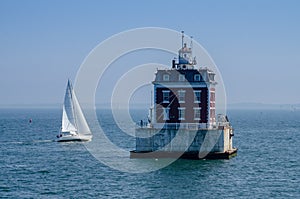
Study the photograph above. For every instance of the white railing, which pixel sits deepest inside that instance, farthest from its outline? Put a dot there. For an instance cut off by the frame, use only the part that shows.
(190, 126)
(221, 121)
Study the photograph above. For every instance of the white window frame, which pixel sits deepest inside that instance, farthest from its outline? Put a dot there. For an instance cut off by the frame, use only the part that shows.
(166, 77)
(197, 77)
(197, 109)
(195, 96)
(179, 100)
(164, 92)
(181, 77)
(166, 113)
(181, 110)
(211, 77)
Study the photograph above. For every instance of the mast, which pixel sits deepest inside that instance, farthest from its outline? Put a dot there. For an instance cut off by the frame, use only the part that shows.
(72, 102)
(182, 36)
(191, 46)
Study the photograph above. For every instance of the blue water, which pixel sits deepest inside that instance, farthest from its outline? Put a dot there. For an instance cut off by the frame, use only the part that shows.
(33, 166)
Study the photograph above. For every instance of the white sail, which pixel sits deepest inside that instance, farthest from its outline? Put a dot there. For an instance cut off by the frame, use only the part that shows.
(66, 124)
(82, 126)
(68, 119)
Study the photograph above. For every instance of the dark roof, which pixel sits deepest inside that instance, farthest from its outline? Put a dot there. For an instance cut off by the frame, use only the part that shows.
(205, 75)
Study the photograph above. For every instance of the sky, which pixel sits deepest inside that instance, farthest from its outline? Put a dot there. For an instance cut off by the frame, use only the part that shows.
(255, 44)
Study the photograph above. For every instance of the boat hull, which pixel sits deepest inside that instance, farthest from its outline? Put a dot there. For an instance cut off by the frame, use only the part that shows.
(74, 138)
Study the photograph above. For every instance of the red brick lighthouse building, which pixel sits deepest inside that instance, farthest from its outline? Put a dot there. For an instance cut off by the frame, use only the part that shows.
(184, 94)
(184, 105)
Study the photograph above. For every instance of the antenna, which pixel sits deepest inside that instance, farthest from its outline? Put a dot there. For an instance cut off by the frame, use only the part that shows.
(191, 46)
(182, 36)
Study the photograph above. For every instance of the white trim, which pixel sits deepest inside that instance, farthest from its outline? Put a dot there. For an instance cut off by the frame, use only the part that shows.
(180, 85)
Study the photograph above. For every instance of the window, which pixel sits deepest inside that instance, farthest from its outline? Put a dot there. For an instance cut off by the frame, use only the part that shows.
(166, 77)
(197, 96)
(197, 77)
(181, 77)
(181, 96)
(166, 96)
(166, 113)
(197, 113)
(181, 113)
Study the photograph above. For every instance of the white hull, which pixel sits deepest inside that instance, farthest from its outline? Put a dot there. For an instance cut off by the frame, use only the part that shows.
(73, 138)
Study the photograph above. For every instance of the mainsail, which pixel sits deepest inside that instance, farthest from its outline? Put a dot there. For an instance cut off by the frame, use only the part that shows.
(68, 119)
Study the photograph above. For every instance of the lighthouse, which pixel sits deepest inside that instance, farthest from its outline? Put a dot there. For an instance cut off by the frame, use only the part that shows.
(183, 121)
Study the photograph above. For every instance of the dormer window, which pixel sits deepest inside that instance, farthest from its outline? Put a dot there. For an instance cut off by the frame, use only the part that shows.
(181, 77)
(166, 77)
(197, 77)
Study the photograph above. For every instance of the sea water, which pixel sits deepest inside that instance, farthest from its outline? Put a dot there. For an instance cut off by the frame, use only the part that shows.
(33, 166)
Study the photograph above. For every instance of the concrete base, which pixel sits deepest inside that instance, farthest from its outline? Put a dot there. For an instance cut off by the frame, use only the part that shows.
(185, 155)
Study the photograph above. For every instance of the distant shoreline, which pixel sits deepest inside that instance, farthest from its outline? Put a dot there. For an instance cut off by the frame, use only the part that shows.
(234, 106)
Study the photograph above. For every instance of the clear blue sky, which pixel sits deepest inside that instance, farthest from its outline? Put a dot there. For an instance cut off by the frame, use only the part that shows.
(255, 44)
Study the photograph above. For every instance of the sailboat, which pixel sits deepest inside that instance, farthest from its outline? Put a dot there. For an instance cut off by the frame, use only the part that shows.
(74, 126)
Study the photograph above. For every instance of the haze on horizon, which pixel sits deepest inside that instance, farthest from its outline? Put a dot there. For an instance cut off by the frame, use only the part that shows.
(255, 44)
